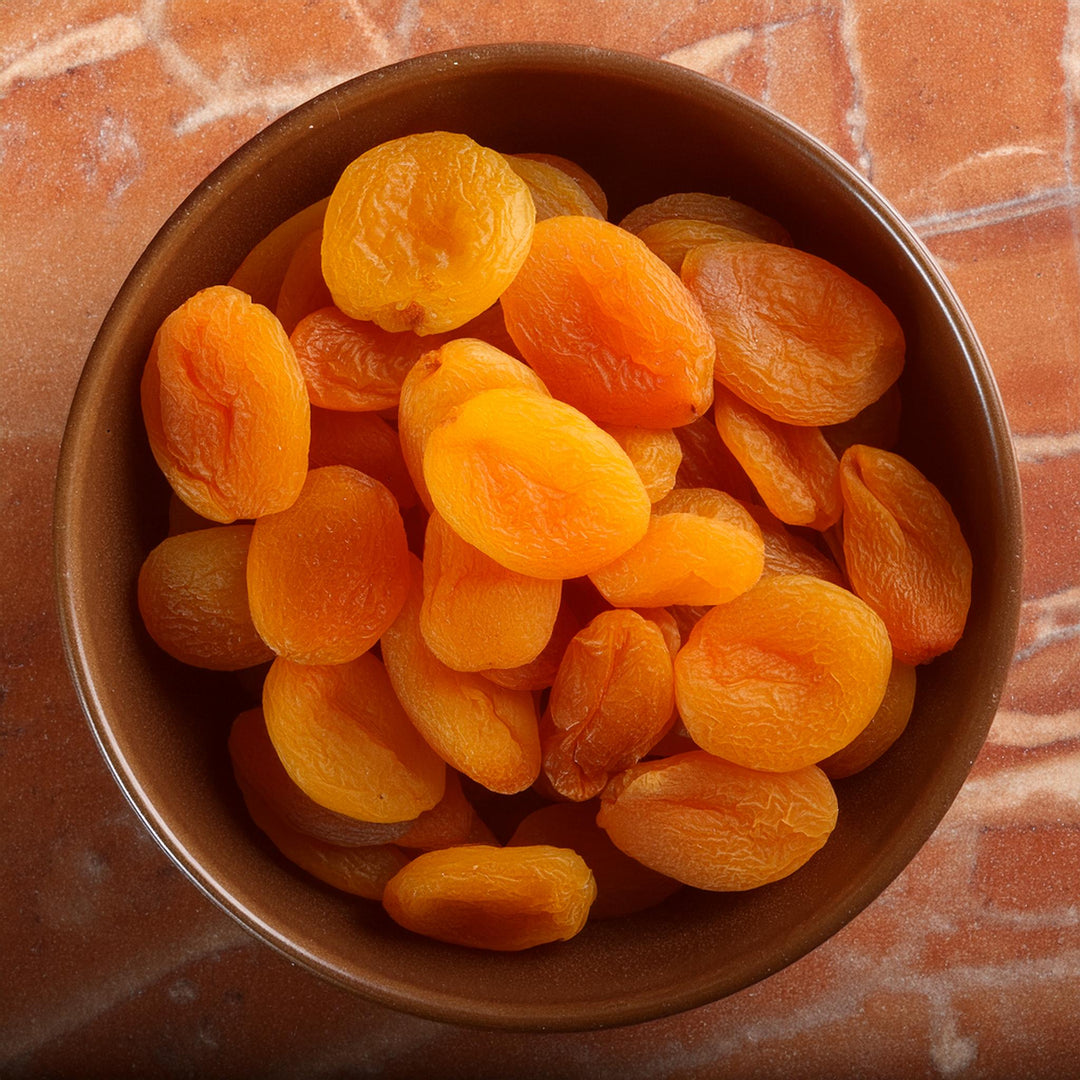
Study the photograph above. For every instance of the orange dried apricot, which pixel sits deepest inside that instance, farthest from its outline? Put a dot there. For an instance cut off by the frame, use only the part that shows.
(260, 773)
(783, 675)
(786, 552)
(701, 547)
(477, 614)
(796, 337)
(485, 731)
(193, 599)
(708, 463)
(303, 289)
(345, 740)
(261, 273)
(623, 885)
(905, 553)
(327, 576)
(609, 327)
(572, 169)
(716, 825)
(701, 206)
(611, 701)
(365, 442)
(424, 232)
(535, 484)
(452, 820)
(554, 192)
(793, 469)
(445, 378)
(654, 452)
(540, 673)
(225, 407)
(672, 238)
(885, 727)
(504, 899)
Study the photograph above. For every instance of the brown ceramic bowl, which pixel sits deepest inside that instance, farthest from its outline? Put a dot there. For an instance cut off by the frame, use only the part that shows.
(644, 129)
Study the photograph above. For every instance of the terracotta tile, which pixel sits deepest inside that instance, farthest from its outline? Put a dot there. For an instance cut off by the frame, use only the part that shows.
(1036, 359)
(1045, 677)
(1051, 512)
(1031, 868)
(970, 111)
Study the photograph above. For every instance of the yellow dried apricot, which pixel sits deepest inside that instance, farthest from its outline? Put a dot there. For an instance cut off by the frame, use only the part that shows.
(588, 182)
(327, 576)
(716, 825)
(225, 407)
(654, 452)
(424, 232)
(505, 899)
(905, 553)
(193, 599)
(609, 327)
(345, 740)
(535, 484)
(783, 675)
(554, 192)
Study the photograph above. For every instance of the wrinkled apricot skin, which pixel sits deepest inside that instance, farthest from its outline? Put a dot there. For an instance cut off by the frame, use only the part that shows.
(702, 206)
(715, 825)
(477, 614)
(796, 337)
(905, 553)
(445, 378)
(654, 452)
(345, 740)
(424, 232)
(701, 547)
(539, 674)
(609, 327)
(885, 727)
(534, 484)
(327, 576)
(261, 775)
(672, 238)
(225, 407)
(452, 820)
(623, 885)
(611, 701)
(485, 731)
(783, 675)
(554, 192)
(303, 289)
(708, 463)
(789, 553)
(505, 899)
(792, 468)
(193, 599)
(588, 182)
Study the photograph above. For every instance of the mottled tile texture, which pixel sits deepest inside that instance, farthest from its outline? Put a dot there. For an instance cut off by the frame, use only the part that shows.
(964, 114)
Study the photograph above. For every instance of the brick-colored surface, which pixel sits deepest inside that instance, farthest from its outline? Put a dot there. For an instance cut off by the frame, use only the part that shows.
(964, 115)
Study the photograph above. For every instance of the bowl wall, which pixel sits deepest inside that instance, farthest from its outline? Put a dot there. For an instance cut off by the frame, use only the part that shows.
(643, 129)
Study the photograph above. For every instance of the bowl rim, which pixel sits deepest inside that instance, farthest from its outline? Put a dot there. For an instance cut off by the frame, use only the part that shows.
(467, 61)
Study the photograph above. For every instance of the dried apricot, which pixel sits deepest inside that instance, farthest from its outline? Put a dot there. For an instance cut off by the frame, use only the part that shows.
(786, 552)
(717, 825)
(303, 289)
(477, 614)
(193, 599)
(327, 576)
(793, 469)
(588, 182)
(225, 407)
(672, 238)
(539, 674)
(609, 327)
(701, 547)
(452, 820)
(535, 484)
(493, 898)
(424, 232)
(905, 553)
(702, 206)
(623, 885)
(554, 192)
(485, 731)
(343, 737)
(445, 378)
(885, 727)
(708, 463)
(611, 701)
(783, 675)
(654, 452)
(260, 773)
(796, 337)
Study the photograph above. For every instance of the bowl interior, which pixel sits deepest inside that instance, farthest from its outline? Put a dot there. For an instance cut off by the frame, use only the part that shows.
(643, 129)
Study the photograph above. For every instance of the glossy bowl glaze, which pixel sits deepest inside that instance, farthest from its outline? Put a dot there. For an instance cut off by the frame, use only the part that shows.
(644, 129)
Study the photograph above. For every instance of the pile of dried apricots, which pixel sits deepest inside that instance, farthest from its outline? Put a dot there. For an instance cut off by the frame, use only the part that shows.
(580, 550)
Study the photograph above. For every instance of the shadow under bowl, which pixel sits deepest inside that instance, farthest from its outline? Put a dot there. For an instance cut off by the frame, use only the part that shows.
(643, 129)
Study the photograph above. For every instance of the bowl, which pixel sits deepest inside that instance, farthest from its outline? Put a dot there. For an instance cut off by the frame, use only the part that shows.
(643, 128)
